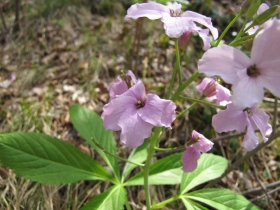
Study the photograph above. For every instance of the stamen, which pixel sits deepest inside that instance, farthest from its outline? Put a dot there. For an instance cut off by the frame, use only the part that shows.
(253, 71)
(249, 111)
(140, 104)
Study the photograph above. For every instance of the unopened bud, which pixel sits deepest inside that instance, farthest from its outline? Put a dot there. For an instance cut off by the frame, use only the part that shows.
(266, 15)
(250, 7)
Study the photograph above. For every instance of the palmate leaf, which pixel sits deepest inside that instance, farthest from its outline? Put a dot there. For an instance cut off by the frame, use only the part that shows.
(209, 167)
(46, 159)
(167, 170)
(90, 126)
(113, 198)
(221, 199)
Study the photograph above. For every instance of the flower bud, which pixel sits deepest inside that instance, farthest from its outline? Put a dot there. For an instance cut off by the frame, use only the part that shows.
(250, 7)
(266, 15)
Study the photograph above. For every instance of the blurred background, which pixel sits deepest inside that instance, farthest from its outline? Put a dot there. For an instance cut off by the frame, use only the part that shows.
(55, 53)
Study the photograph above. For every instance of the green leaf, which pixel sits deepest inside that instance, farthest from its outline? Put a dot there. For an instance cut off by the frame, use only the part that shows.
(113, 198)
(46, 159)
(138, 155)
(191, 205)
(90, 125)
(221, 199)
(167, 170)
(209, 167)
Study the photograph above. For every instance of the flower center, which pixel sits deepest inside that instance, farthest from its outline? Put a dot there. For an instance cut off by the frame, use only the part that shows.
(249, 111)
(140, 104)
(253, 71)
(174, 13)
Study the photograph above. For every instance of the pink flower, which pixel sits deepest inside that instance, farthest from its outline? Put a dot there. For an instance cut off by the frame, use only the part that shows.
(195, 146)
(176, 22)
(214, 91)
(135, 113)
(120, 85)
(261, 9)
(248, 75)
(234, 118)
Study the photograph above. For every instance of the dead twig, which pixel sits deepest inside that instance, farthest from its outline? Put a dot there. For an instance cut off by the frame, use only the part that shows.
(243, 159)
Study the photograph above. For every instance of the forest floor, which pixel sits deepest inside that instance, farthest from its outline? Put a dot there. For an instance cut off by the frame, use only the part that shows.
(60, 55)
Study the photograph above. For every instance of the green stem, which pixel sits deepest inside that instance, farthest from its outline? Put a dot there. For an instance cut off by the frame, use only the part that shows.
(178, 62)
(202, 102)
(151, 152)
(169, 149)
(163, 203)
(187, 109)
(184, 85)
(228, 27)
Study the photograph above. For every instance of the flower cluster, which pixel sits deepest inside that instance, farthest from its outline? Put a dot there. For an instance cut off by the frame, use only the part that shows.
(248, 77)
(134, 112)
(177, 24)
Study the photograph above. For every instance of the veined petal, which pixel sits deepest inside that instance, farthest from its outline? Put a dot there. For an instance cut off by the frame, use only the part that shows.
(204, 35)
(250, 140)
(203, 20)
(190, 158)
(134, 129)
(150, 10)
(260, 118)
(157, 111)
(137, 91)
(176, 26)
(130, 73)
(265, 54)
(232, 118)
(203, 144)
(247, 91)
(113, 111)
(224, 61)
(222, 94)
(266, 46)
(118, 87)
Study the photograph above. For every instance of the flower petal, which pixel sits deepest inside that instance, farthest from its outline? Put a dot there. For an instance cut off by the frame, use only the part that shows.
(247, 91)
(157, 111)
(203, 20)
(137, 91)
(203, 144)
(250, 140)
(204, 35)
(176, 26)
(134, 129)
(223, 95)
(260, 118)
(150, 10)
(265, 54)
(190, 158)
(118, 87)
(224, 61)
(230, 119)
(113, 111)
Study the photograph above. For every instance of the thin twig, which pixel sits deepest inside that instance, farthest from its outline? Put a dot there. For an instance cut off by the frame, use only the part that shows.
(261, 184)
(258, 189)
(243, 159)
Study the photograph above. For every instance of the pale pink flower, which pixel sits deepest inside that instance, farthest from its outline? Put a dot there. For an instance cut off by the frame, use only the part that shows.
(135, 113)
(176, 22)
(248, 76)
(214, 91)
(120, 85)
(261, 9)
(234, 118)
(195, 146)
